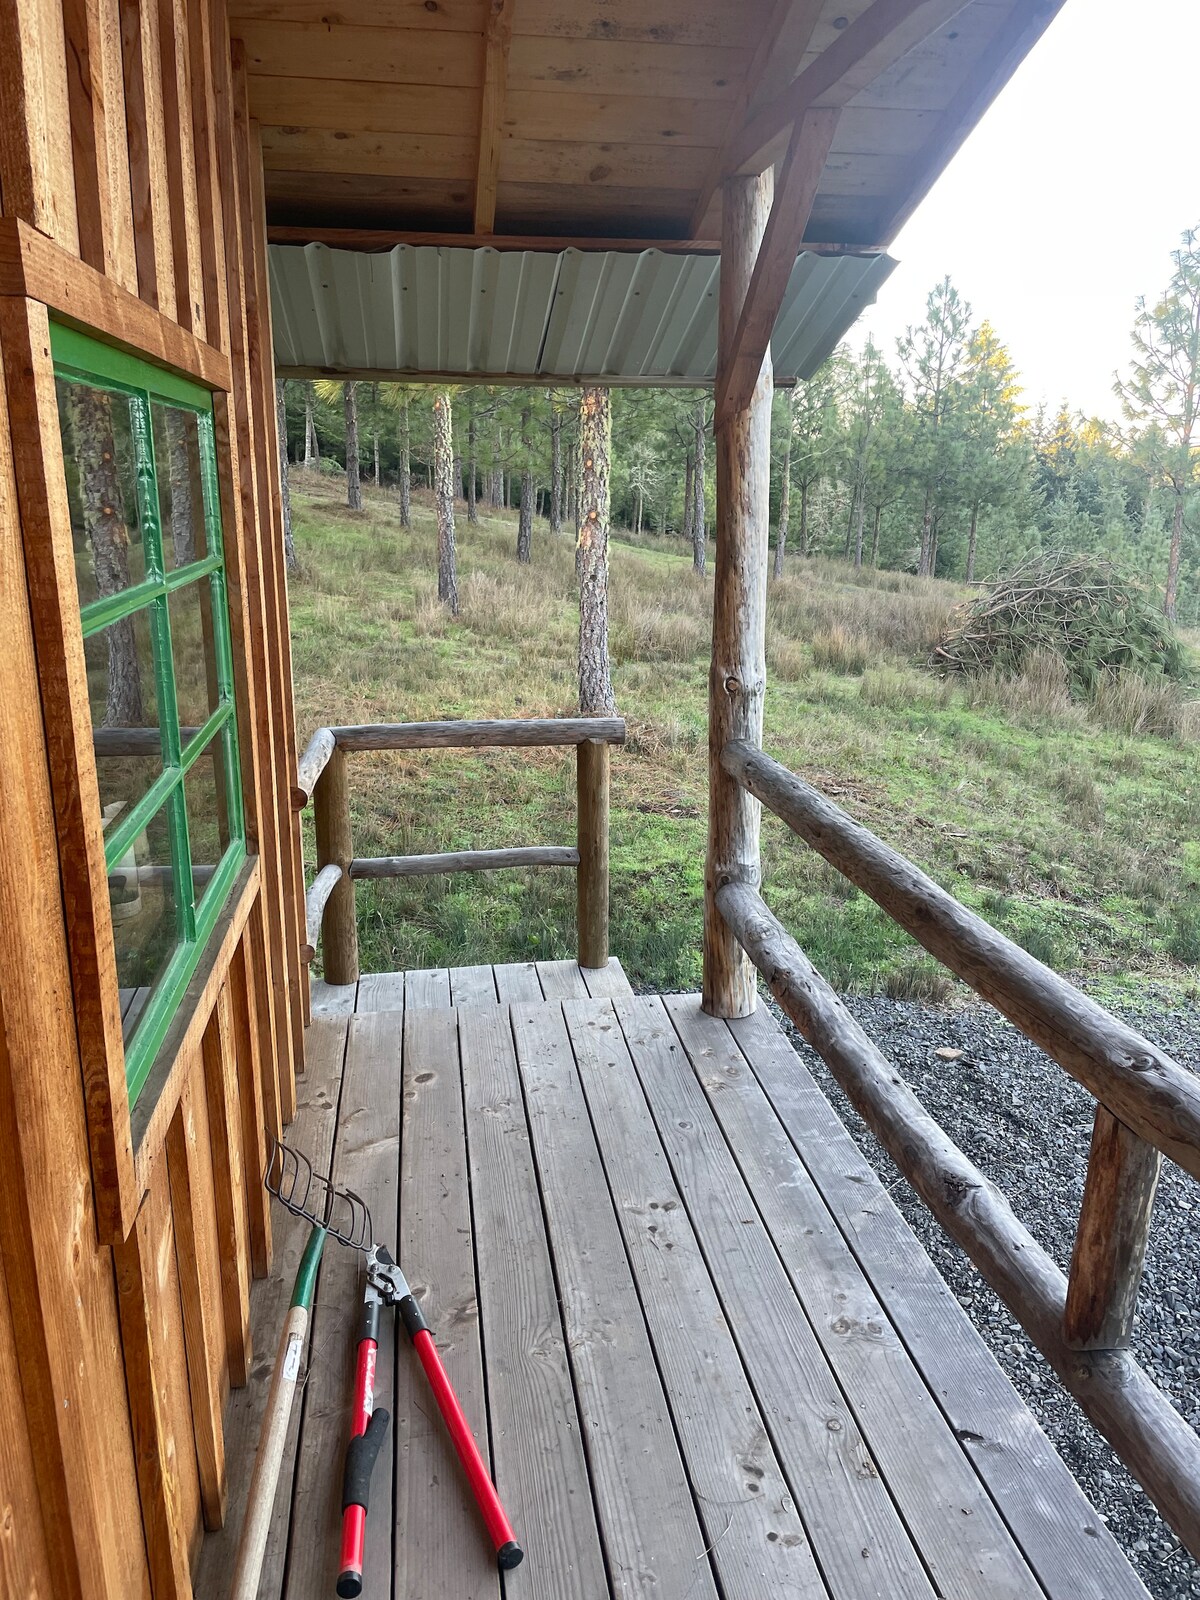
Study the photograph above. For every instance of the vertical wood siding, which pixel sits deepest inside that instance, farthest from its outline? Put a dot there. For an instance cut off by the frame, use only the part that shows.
(125, 1259)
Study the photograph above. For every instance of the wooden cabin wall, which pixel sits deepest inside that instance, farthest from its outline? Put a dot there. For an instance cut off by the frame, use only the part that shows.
(131, 206)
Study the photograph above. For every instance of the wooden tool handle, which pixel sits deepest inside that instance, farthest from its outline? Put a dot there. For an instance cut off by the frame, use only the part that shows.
(253, 1543)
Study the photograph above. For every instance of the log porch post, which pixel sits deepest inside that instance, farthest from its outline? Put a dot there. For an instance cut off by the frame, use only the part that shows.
(737, 677)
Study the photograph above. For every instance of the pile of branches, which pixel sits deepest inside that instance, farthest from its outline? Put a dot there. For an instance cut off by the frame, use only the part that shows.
(1095, 618)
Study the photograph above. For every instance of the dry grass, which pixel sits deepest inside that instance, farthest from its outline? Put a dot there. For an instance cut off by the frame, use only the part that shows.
(1128, 703)
(1039, 694)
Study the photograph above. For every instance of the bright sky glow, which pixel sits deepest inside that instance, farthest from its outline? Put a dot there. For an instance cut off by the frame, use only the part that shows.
(1065, 202)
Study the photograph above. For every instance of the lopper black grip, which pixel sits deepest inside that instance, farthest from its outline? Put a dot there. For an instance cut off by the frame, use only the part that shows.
(361, 1454)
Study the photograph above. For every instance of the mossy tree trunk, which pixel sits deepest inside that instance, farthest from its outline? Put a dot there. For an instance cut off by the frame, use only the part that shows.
(556, 468)
(353, 479)
(443, 498)
(404, 440)
(699, 426)
(525, 517)
(595, 445)
(785, 505)
(289, 541)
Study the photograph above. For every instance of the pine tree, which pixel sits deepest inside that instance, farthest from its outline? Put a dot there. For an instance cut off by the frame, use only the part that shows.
(1162, 391)
(933, 356)
(595, 450)
(443, 498)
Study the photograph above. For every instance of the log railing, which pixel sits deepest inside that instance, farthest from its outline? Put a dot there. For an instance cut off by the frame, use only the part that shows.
(1148, 1106)
(322, 777)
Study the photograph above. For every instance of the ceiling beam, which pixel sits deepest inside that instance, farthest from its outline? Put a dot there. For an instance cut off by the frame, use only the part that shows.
(497, 43)
(880, 36)
(779, 52)
(795, 192)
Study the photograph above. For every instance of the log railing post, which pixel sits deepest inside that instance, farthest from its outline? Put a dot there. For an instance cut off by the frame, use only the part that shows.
(1110, 1243)
(737, 677)
(335, 846)
(591, 785)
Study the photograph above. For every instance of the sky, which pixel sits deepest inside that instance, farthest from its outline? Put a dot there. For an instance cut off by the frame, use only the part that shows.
(1066, 200)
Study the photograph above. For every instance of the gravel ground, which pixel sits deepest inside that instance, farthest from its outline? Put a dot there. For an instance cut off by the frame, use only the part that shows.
(1028, 1125)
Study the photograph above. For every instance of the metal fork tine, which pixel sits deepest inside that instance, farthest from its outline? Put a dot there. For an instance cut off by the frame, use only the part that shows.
(312, 1195)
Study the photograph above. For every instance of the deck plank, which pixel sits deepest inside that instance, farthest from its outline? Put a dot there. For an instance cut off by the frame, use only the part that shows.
(366, 1159)
(757, 1538)
(381, 991)
(530, 1398)
(312, 1131)
(517, 982)
(1063, 1538)
(835, 1482)
(428, 990)
(331, 999)
(606, 982)
(562, 980)
(651, 1533)
(442, 1548)
(472, 986)
(949, 1513)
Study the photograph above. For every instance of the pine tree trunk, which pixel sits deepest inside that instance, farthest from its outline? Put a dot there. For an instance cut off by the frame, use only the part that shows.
(925, 561)
(556, 467)
(971, 538)
(443, 499)
(785, 505)
(1171, 597)
(312, 445)
(804, 518)
(858, 527)
(353, 482)
(472, 466)
(689, 499)
(875, 536)
(525, 516)
(375, 442)
(108, 539)
(404, 440)
(183, 537)
(638, 499)
(595, 442)
(698, 528)
(289, 542)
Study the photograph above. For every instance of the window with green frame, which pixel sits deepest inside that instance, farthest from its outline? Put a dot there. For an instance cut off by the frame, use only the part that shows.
(140, 457)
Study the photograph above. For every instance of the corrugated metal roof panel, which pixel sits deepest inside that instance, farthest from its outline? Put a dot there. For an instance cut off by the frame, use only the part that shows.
(612, 316)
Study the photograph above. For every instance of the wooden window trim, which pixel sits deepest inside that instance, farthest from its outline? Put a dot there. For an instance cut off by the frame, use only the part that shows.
(79, 358)
(123, 1147)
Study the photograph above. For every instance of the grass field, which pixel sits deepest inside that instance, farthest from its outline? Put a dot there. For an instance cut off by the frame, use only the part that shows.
(1081, 840)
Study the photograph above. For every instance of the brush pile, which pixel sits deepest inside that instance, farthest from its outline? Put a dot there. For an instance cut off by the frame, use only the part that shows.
(1095, 618)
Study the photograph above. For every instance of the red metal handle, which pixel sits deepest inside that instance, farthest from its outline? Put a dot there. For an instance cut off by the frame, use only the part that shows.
(354, 1517)
(508, 1551)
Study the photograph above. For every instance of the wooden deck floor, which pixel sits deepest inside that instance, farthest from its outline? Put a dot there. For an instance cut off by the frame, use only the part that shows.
(706, 1354)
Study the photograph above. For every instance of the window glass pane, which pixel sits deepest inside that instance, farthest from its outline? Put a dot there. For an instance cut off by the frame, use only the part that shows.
(208, 814)
(180, 488)
(194, 653)
(144, 916)
(120, 673)
(97, 434)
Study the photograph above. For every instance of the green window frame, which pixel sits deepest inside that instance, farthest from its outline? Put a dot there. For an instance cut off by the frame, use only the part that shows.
(79, 358)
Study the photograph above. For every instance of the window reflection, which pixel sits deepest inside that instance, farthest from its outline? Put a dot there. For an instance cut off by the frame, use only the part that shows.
(98, 451)
(125, 731)
(208, 814)
(180, 486)
(194, 653)
(141, 890)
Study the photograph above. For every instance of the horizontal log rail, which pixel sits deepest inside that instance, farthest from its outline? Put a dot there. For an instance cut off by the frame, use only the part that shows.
(546, 855)
(1114, 1391)
(321, 776)
(520, 733)
(1138, 1082)
(1148, 1106)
